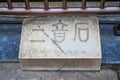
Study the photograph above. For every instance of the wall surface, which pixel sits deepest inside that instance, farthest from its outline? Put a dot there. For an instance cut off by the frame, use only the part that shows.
(10, 35)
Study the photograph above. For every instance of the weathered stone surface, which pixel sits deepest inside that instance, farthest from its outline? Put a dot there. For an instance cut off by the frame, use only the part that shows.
(12, 71)
(60, 43)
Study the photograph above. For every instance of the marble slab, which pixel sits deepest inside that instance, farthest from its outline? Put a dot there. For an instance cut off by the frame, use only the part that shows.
(60, 43)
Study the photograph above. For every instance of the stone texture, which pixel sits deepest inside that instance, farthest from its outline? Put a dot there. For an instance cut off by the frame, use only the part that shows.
(12, 71)
(60, 43)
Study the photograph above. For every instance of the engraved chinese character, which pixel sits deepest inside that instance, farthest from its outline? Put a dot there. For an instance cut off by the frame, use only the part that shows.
(82, 30)
(59, 32)
(35, 30)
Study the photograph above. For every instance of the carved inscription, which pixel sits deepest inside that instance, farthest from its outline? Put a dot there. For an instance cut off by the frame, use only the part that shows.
(59, 31)
(82, 30)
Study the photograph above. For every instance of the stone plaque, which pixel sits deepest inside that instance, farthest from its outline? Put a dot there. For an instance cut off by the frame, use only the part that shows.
(60, 43)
